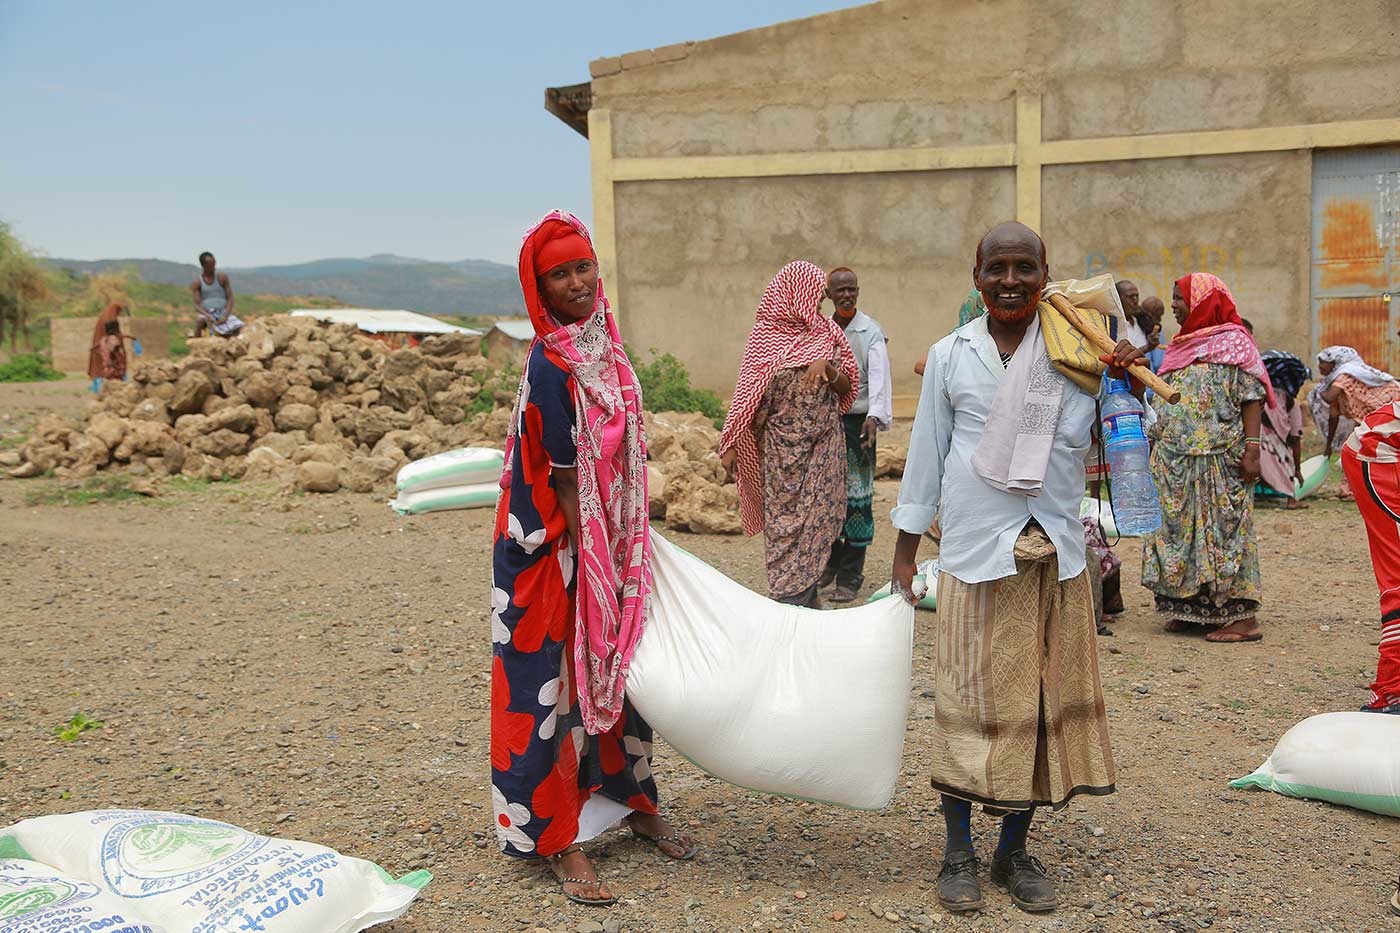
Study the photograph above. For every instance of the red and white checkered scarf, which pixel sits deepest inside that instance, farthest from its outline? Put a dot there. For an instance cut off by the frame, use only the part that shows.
(789, 332)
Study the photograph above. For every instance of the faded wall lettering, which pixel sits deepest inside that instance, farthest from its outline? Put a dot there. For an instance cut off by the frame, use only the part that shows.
(1154, 268)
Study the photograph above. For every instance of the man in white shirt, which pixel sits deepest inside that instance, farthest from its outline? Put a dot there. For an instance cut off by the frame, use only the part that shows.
(1135, 333)
(1019, 713)
(871, 413)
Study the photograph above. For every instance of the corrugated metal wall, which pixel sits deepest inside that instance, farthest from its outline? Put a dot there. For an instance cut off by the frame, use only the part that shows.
(1356, 252)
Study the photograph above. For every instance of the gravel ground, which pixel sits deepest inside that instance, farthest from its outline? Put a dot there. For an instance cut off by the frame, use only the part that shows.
(316, 667)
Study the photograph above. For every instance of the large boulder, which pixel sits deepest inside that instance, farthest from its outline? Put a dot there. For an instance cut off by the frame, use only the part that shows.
(656, 488)
(454, 344)
(239, 418)
(264, 389)
(296, 416)
(365, 473)
(221, 443)
(401, 363)
(325, 453)
(315, 476)
(107, 428)
(695, 504)
(402, 393)
(285, 445)
(266, 463)
(145, 438)
(889, 461)
(191, 390)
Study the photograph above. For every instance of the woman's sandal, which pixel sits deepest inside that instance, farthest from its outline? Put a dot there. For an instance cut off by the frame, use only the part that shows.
(687, 848)
(554, 862)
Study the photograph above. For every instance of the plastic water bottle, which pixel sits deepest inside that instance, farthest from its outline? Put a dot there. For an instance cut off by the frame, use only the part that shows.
(1134, 496)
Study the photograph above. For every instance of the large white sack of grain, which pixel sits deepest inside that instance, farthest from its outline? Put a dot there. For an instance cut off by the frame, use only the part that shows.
(466, 466)
(1351, 759)
(772, 697)
(184, 873)
(35, 898)
(446, 498)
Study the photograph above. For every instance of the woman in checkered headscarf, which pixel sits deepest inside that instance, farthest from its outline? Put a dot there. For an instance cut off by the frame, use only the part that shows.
(782, 439)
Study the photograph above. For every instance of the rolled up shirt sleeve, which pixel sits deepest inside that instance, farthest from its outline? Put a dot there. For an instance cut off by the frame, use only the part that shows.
(922, 487)
(878, 377)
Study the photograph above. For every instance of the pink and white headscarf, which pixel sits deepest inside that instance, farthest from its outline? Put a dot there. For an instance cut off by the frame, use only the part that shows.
(790, 331)
(1213, 332)
(614, 553)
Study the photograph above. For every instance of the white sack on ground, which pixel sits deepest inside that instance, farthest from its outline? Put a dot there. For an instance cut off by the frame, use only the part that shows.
(466, 466)
(771, 697)
(446, 498)
(1351, 759)
(35, 898)
(184, 873)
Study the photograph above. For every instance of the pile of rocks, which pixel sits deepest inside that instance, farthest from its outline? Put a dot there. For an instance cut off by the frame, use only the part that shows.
(295, 400)
(687, 484)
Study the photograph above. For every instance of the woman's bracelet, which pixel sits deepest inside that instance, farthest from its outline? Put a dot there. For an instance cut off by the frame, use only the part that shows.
(1251, 440)
(836, 374)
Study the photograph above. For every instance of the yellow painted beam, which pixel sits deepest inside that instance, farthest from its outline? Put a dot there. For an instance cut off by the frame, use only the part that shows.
(838, 162)
(1221, 142)
(1028, 148)
(600, 151)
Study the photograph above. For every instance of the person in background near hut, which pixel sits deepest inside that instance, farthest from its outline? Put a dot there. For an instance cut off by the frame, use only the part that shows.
(1203, 563)
(213, 300)
(998, 444)
(782, 438)
(1135, 333)
(104, 356)
(1371, 460)
(571, 575)
(869, 414)
(1281, 430)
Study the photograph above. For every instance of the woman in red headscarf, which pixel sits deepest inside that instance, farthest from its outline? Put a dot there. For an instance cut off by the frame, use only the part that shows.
(571, 574)
(783, 439)
(1203, 563)
(107, 359)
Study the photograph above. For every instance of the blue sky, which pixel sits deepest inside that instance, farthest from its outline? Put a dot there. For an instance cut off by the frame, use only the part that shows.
(283, 132)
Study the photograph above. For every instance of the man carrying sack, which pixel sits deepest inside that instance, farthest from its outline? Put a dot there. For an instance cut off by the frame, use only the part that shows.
(999, 439)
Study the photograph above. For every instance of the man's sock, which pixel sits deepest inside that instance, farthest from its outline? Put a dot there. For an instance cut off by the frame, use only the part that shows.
(957, 814)
(1014, 827)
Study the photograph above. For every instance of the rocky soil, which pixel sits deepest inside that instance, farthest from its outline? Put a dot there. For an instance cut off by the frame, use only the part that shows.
(314, 666)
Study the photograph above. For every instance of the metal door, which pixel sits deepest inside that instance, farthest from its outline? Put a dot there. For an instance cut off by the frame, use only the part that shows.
(1356, 252)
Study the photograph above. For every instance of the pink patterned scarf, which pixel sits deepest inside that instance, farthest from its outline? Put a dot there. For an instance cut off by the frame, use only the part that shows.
(790, 331)
(614, 555)
(1213, 332)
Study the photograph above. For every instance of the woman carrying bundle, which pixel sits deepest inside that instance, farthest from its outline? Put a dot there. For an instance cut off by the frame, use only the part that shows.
(571, 574)
(1350, 389)
(1203, 563)
(783, 439)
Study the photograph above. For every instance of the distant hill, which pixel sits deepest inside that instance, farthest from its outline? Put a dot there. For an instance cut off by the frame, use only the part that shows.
(471, 287)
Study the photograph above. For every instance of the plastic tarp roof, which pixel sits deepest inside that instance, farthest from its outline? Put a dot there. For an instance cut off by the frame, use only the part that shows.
(379, 321)
(520, 329)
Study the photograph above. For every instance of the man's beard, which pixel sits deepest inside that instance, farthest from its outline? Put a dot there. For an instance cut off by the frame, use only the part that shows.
(1016, 316)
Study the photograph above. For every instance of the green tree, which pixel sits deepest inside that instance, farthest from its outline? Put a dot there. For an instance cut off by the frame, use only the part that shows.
(22, 286)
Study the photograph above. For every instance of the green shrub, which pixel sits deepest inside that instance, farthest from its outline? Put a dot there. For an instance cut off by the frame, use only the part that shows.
(28, 367)
(666, 387)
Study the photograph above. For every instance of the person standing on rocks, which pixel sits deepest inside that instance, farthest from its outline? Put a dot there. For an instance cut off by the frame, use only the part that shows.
(571, 574)
(213, 300)
(869, 414)
(998, 443)
(782, 436)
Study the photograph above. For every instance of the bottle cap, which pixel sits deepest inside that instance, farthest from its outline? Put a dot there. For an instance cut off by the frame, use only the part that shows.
(1118, 385)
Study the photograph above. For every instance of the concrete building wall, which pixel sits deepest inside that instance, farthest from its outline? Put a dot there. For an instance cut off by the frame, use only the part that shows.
(710, 249)
(692, 253)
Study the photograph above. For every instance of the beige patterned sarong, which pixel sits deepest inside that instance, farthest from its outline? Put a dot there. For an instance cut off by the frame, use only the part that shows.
(1019, 715)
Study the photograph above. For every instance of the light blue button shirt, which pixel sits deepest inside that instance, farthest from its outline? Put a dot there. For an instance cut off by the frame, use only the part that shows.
(980, 524)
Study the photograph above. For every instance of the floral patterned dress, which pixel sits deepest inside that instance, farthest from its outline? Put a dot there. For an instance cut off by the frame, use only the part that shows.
(803, 450)
(544, 768)
(1203, 563)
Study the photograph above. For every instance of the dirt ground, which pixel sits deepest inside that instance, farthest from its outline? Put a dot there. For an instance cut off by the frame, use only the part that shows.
(317, 667)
